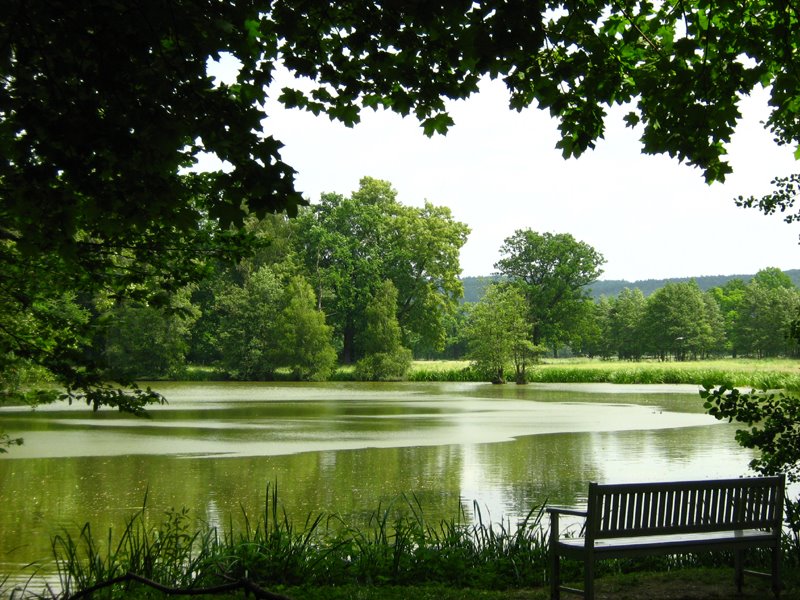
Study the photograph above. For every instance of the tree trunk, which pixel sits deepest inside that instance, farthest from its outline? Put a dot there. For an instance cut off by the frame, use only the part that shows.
(348, 343)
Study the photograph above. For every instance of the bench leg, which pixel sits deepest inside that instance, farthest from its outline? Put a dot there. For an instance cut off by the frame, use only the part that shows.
(738, 565)
(555, 575)
(776, 571)
(588, 578)
(555, 559)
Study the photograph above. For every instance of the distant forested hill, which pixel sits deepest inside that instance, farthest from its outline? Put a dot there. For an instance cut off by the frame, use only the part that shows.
(474, 286)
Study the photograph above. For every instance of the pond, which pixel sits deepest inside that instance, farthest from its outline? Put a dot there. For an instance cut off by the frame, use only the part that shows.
(346, 448)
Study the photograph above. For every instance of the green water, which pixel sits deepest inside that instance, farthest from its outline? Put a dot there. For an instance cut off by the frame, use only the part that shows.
(346, 448)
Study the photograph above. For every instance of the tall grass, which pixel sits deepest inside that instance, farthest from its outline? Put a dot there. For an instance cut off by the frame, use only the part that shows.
(397, 547)
(169, 553)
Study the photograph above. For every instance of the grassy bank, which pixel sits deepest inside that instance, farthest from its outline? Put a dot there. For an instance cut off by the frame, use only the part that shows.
(684, 584)
(765, 373)
(772, 374)
(739, 372)
(399, 554)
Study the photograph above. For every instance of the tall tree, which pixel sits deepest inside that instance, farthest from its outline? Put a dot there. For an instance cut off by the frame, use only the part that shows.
(143, 341)
(304, 340)
(729, 298)
(713, 339)
(601, 343)
(423, 261)
(674, 321)
(552, 270)
(627, 315)
(764, 324)
(773, 278)
(498, 334)
(582, 329)
(249, 326)
(385, 357)
(352, 245)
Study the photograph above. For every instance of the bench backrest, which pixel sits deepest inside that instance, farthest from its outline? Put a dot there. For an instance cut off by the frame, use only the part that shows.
(624, 510)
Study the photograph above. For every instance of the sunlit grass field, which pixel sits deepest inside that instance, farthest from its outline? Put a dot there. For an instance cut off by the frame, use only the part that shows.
(741, 372)
(776, 373)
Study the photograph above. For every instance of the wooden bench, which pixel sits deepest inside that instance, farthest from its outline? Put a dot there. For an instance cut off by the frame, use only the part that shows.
(625, 520)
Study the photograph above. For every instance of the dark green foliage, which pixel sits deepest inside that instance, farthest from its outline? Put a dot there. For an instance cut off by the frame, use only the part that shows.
(384, 366)
(552, 271)
(103, 106)
(625, 324)
(350, 246)
(763, 322)
(303, 337)
(249, 326)
(782, 199)
(772, 426)
(145, 342)
(7, 441)
(673, 321)
(266, 324)
(385, 357)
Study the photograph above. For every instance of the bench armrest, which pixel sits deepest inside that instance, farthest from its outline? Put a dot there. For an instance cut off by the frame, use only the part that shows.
(555, 512)
(563, 510)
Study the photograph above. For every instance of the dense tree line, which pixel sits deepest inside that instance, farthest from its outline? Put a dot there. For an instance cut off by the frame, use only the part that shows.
(360, 279)
(680, 321)
(365, 280)
(677, 322)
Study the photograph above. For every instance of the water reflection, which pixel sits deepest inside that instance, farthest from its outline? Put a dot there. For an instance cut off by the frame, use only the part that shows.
(345, 449)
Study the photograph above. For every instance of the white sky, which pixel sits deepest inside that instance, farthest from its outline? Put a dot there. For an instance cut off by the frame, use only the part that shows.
(498, 170)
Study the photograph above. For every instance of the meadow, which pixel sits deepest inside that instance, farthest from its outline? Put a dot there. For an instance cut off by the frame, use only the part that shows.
(740, 372)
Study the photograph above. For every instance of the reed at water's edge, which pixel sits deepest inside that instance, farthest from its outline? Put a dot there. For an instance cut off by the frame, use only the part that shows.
(398, 546)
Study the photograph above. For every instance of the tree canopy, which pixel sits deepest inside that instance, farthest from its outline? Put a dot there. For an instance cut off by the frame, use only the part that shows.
(497, 332)
(351, 246)
(553, 271)
(105, 105)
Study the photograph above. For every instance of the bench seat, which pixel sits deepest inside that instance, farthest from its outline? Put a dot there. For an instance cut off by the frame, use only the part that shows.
(669, 544)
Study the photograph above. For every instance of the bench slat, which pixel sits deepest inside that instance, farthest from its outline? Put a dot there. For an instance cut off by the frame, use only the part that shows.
(666, 544)
(746, 535)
